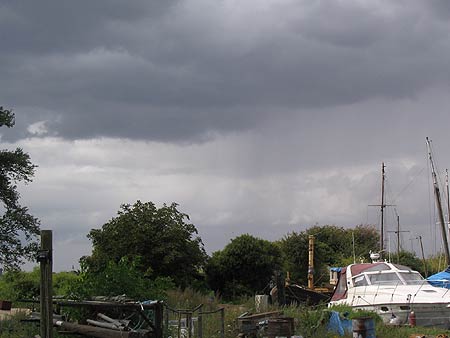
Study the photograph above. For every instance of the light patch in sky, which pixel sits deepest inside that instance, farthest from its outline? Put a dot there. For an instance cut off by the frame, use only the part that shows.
(38, 128)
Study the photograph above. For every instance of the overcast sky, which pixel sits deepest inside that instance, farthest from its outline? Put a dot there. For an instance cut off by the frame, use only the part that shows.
(259, 117)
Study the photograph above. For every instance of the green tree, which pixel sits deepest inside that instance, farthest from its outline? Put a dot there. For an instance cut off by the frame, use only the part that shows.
(410, 260)
(333, 247)
(245, 266)
(18, 229)
(294, 247)
(165, 243)
(16, 284)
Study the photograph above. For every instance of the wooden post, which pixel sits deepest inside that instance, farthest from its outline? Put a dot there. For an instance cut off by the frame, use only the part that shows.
(166, 322)
(200, 322)
(46, 263)
(159, 314)
(311, 262)
(281, 296)
(179, 324)
(222, 323)
(189, 324)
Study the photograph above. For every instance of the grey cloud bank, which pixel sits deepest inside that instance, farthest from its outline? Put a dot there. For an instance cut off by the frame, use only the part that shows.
(174, 70)
(260, 117)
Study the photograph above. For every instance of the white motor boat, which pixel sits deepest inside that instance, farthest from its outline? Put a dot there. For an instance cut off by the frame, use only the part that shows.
(395, 292)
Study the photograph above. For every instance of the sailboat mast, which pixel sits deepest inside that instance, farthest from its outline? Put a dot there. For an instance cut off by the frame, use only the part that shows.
(398, 238)
(382, 206)
(437, 195)
(448, 201)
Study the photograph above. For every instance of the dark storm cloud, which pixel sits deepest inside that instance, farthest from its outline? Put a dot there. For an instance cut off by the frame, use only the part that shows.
(172, 70)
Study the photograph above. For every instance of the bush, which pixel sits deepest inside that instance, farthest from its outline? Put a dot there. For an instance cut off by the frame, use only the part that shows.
(16, 285)
(122, 278)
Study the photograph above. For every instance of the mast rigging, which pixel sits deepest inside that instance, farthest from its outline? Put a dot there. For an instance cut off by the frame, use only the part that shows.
(437, 196)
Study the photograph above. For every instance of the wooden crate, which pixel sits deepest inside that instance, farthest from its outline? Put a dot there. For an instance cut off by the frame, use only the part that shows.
(283, 327)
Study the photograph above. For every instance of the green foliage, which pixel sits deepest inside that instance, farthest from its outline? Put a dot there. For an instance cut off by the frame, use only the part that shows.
(6, 117)
(410, 260)
(435, 263)
(243, 267)
(333, 247)
(17, 284)
(408, 332)
(18, 229)
(63, 283)
(168, 246)
(308, 322)
(189, 298)
(14, 327)
(120, 278)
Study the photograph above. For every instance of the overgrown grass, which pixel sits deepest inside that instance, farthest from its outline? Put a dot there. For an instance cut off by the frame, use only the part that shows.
(14, 327)
(309, 322)
(189, 299)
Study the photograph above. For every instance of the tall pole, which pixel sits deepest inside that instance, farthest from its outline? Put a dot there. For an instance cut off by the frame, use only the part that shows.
(448, 201)
(398, 238)
(437, 196)
(46, 300)
(353, 244)
(311, 263)
(382, 206)
(423, 257)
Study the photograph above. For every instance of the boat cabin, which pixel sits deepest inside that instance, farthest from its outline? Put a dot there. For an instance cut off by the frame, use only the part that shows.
(367, 274)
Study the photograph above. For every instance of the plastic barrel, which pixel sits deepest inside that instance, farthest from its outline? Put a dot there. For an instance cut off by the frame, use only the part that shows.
(363, 327)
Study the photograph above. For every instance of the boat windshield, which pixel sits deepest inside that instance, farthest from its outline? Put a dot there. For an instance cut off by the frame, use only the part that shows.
(412, 278)
(387, 278)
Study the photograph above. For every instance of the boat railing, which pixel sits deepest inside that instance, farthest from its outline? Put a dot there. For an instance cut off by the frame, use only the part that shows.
(370, 295)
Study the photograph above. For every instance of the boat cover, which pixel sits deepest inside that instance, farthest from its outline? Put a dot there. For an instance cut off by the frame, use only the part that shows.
(338, 324)
(441, 279)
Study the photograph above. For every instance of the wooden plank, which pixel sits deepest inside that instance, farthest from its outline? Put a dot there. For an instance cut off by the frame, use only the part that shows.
(105, 325)
(262, 315)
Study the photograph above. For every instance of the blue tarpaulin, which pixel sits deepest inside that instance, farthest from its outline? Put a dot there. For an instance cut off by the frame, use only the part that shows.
(338, 324)
(441, 279)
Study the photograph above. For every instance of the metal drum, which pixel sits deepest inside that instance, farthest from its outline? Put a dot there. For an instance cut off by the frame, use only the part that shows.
(363, 327)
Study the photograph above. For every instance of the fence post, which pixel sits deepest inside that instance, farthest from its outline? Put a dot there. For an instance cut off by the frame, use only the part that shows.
(179, 324)
(166, 322)
(222, 323)
(200, 322)
(189, 324)
(159, 313)
(46, 298)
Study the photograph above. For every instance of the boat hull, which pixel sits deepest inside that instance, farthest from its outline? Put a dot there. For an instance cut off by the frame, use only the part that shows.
(393, 292)
(426, 314)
